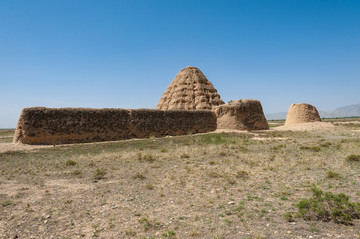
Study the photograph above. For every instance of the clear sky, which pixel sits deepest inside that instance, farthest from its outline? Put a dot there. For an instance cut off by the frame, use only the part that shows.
(124, 54)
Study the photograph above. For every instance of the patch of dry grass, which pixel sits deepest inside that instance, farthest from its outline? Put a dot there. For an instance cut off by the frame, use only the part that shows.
(201, 186)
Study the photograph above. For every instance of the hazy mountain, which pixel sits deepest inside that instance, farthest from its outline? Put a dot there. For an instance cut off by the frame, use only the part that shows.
(344, 111)
(276, 116)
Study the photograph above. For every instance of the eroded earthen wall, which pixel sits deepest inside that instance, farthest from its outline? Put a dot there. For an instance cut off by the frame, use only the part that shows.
(39, 125)
(147, 122)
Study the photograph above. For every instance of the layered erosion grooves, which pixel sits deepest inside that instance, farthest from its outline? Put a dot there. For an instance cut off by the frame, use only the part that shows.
(190, 90)
(241, 115)
(302, 113)
(39, 125)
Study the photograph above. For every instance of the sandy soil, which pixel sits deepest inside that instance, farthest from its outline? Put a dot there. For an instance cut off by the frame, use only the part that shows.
(4, 147)
(228, 186)
(349, 122)
(306, 126)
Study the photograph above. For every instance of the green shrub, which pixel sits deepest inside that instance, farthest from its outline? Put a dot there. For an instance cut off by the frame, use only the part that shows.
(222, 153)
(311, 148)
(149, 186)
(184, 156)
(70, 163)
(169, 234)
(6, 203)
(76, 172)
(327, 206)
(325, 145)
(242, 174)
(244, 149)
(99, 173)
(278, 147)
(146, 157)
(331, 174)
(353, 158)
(146, 222)
(289, 217)
(139, 176)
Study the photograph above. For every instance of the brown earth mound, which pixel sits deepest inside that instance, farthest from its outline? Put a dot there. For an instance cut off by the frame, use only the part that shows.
(302, 113)
(40, 125)
(190, 90)
(241, 115)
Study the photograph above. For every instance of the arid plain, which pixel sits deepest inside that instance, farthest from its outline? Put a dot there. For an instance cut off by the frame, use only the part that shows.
(225, 184)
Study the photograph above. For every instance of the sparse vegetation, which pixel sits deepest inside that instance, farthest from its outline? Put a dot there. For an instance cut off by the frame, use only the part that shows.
(6, 203)
(149, 186)
(169, 235)
(331, 174)
(327, 206)
(70, 162)
(353, 158)
(100, 173)
(184, 156)
(289, 217)
(231, 185)
(139, 176)
(325, 144)
(311, 148)
(242, 174)
(146, 158)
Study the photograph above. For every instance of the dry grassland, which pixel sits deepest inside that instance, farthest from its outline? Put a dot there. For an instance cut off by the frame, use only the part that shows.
(217, 185)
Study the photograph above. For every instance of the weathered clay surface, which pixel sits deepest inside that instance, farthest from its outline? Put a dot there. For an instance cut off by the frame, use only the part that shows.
(302, 113)
(39, 125)
(190, 90)
(241, 115)
(147, 122)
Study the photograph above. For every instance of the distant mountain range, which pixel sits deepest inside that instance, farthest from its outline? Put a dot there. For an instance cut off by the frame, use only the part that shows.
(345, 111)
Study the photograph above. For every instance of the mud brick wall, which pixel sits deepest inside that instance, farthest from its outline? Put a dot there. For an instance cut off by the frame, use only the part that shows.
(146, 122)
(39, 125)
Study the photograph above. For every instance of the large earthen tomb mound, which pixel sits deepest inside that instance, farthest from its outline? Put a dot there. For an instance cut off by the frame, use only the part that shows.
(40, 125)
(243, 114)
(190, 90)
(302, 113)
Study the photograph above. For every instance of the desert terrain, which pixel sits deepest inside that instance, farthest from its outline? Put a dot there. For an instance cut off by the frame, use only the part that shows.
(224, 184)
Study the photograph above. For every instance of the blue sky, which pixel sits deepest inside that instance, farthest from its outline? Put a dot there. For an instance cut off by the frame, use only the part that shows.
(124, 54)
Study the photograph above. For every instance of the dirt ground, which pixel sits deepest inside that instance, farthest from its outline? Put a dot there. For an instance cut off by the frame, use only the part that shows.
(8, 146)
(217, 185)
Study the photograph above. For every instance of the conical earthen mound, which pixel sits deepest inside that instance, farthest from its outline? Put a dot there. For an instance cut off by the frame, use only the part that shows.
(302, 113)
(190, 90)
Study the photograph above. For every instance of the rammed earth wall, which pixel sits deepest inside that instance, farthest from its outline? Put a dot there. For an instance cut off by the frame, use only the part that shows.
(39, 125)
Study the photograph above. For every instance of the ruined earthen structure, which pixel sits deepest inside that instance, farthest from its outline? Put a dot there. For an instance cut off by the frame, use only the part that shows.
(190, 90)
(39, 125)
(241, 115)
(302, 113)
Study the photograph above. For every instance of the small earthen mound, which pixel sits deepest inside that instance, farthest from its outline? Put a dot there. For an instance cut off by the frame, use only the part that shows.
(302, 113)
(241, 115)
(190, 90)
